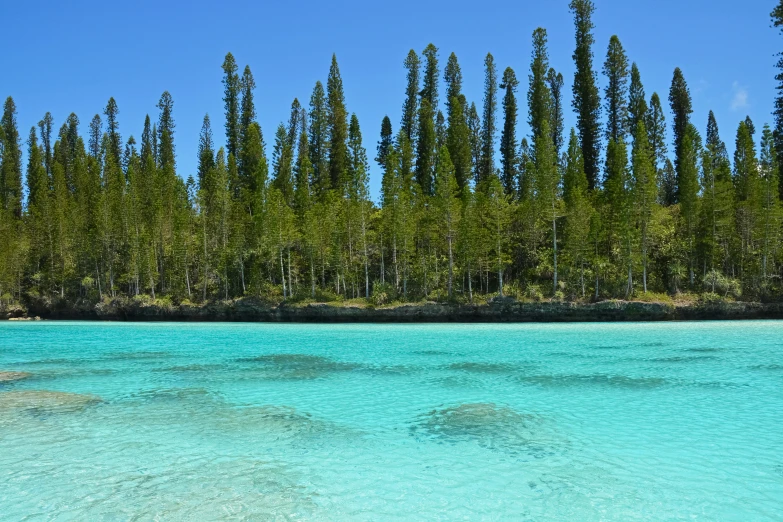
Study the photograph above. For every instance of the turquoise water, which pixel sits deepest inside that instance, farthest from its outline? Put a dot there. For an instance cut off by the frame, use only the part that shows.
(676, 421)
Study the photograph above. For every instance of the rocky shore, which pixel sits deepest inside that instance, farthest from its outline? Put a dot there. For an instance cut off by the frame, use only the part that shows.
(496, 311)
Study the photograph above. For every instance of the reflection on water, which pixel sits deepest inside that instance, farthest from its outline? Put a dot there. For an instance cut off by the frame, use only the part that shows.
(383, 422)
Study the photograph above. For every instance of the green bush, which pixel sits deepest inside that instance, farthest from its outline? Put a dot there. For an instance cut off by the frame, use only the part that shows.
(382, 294)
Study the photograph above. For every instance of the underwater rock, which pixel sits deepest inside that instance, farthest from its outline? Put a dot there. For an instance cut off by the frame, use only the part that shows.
(489, 425)
(298, 366)
(45, 401)
(13, 376)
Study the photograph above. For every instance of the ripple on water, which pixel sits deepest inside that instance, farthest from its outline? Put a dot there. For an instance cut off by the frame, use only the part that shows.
(138, 356)
(485, 368)
(296, 366)
(684, 359)
(487, 424)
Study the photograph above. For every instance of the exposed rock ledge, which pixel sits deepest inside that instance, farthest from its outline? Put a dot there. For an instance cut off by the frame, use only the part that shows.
(499, 310)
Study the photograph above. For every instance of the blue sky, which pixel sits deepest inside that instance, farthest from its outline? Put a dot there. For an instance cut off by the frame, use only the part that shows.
(68, 57)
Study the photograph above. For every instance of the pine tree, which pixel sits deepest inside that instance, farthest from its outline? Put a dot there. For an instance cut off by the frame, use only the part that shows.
(717, 201)
(578, 210)
(282, 178)
(680, 102)
(637, 104)
(508, 137)
(474, 130)
(687, 193)
(11, 163)
(166, 155)
(425, 148)
(776, 18)
(45, 126)
(231, 90)
(644, 191)
(95, 136)
(452, 75)
(429, 91)
(621, 229)
(547, 186)
(206, 150)
(113, 129)
(555, 83)
(411, 106)
(616, 91)
(337, 118)
(319, 139)
(770, 205)
(458, 141)
(487, 163)
(359, 192)
(448, 209)
(586, 103)
(385, 143)
(247, 116)
(538, 95)
(655, 122)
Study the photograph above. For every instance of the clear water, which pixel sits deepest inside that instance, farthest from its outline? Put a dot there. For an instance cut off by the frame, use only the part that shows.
(677, 421)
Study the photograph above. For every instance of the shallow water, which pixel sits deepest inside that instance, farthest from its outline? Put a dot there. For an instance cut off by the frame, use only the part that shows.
(115, 421)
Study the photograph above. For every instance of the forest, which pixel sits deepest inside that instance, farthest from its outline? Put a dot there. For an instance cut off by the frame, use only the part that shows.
(637, 202)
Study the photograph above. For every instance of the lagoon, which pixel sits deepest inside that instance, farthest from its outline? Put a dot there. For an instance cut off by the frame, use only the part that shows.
(175, 421)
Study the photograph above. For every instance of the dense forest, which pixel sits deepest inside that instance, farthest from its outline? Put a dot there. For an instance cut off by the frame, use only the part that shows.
(468, 209)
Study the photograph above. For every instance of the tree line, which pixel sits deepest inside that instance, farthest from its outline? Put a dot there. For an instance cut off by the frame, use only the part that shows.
(609, 209)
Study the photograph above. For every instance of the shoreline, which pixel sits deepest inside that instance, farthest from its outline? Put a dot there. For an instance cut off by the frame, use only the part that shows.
(496, 311)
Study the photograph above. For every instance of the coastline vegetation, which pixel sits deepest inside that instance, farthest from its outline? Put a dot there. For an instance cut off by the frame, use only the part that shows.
(469, 211)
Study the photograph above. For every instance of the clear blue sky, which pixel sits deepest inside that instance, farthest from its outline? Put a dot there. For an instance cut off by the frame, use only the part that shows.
(68, 57)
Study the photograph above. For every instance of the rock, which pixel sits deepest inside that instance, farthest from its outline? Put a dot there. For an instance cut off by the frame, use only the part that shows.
(13, 376)
(44, 401)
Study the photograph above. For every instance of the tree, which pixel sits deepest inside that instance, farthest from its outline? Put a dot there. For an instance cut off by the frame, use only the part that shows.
(385, 143)
(11, 162)
(411, 106)
(616, 91)
(95, 136)
(474, 130)
(448, 209)
(425, 148)
(431, 73)
(586, 103)
(319, 139)
(337, 118)
(680, 102)
(655, 122)
(717, 200)
(538, 94)
(547, 186)
(508, 137)
(231, 91)
(578, 209)
(113, 129)
(555, 83)
(776, 17)
(247, 116)
(206, 150)
(687, 192)
(637, 104)
(458, 141)
(644, 191)
(452, 75)
(487, 163)
(770, 203)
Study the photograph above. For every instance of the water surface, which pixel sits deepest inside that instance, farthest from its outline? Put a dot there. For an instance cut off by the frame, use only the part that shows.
(114, 421)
